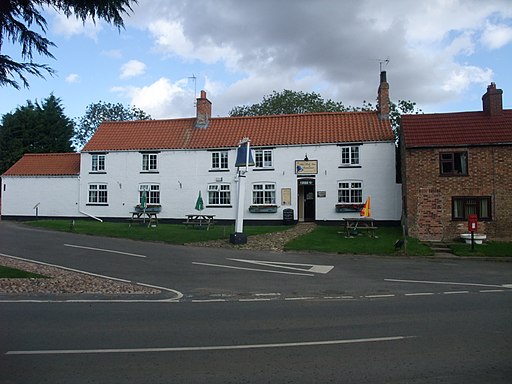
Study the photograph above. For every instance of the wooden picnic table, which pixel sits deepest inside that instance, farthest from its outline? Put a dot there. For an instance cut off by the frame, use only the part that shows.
(142, 216)
(199, 219)
(354, 224)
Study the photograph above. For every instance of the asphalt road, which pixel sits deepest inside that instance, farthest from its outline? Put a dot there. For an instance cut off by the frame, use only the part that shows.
(308, 318)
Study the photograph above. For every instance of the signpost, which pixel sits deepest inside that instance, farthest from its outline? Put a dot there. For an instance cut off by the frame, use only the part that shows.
(244, 159)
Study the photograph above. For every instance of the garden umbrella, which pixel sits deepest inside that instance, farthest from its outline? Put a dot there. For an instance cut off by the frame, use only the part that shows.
(199, 203)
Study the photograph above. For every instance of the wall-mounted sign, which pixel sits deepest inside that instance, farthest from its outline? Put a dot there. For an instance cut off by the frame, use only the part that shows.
(306, 181)
(321, 193)
(286, 196)
(308, 167)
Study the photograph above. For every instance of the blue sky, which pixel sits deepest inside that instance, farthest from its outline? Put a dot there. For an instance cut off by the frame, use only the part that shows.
(442, 54)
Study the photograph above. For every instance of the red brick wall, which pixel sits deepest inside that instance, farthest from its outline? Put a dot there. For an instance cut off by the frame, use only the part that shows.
(428, 196)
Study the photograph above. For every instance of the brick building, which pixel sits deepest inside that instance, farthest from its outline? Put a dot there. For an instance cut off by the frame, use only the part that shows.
(456, 164)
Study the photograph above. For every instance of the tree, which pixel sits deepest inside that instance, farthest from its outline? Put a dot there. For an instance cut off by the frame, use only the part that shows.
(34, 128)
(289, 102)
(17, 16)
(97, 113)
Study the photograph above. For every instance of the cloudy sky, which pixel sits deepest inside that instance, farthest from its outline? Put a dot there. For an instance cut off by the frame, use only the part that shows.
(442, 54)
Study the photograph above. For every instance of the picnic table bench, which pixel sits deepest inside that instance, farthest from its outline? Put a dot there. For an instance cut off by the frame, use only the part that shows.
(354, 224)
(200, 220)
(143, 216)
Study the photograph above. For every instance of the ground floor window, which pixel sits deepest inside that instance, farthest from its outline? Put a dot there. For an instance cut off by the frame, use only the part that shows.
(151, 192)
(98, 194)
(264, 193)
(463, 206)
(350, 192)
(219, 194)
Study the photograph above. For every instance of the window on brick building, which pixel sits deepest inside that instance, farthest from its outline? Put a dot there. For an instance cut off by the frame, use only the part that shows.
(453, 163)
(464, 206)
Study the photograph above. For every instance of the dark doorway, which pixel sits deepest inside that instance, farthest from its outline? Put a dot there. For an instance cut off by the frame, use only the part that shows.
(306, 197)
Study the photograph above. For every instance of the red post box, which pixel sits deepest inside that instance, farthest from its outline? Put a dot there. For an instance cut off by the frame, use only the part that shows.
(473, 223)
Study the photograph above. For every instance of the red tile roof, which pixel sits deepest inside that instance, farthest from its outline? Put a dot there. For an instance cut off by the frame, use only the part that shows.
(455, 129)
(46, 164)
(223, 132)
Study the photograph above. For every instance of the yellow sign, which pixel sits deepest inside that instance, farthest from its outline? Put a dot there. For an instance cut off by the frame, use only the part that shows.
(286, 196)
(306, 167)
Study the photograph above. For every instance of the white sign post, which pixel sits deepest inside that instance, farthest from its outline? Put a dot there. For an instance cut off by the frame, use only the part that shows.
(244, 159)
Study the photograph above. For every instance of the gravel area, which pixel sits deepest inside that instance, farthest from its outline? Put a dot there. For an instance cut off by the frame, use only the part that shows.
(61, 281)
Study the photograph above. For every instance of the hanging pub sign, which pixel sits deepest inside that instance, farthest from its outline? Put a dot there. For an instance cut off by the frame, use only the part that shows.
(306, 167)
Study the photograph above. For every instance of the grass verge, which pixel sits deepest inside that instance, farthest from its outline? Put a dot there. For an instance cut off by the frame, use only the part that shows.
(168, 233)
(13, 273)
(329, 239)
(488, 249)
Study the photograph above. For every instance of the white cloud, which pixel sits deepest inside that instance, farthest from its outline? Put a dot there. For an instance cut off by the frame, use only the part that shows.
(132, 68)
(496, 36)
(72, 78)
(161, 99)
(71, 26)
(460, 79)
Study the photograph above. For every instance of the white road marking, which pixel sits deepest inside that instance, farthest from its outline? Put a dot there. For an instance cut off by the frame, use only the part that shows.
(454, 292)
(443, 283)
(209, 348)
(251, 269)
(313, 268)
(210, 301)
(104, 250)
(378, 296)
(298, 298)
(420, 294)
(506, 285)
(256, 299)
(492, 290)
(267, 294)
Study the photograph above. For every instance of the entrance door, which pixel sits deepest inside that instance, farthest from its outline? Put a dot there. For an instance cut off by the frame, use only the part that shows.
(306, 197)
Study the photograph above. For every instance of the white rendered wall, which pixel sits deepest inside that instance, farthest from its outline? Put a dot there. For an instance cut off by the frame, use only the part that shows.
(182, 174)
(54, 196)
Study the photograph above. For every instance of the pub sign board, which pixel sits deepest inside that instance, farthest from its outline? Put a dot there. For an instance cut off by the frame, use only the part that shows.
(306, 167)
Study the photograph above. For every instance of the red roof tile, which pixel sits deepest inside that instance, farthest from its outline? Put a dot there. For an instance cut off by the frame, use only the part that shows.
(46, 164)
(454, 129)
(315, 128)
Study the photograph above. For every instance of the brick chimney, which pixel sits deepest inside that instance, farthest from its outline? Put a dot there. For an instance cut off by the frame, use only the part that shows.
(492, 101)
(383, 97)
(203, 111)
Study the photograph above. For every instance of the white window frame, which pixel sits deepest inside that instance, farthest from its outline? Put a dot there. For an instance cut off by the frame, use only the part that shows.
(149, 162)
(98, 162)
(264, 158)
(152, 193)
(220, 160)
(350, 191)
(219, 194)
(264, 193)
(97, 194)
(350, 155)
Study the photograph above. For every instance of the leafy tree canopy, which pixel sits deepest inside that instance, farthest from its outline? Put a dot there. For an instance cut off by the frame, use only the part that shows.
(34, 128)
(97, 113)
(292, 102)
(289, 102)
(17, 17)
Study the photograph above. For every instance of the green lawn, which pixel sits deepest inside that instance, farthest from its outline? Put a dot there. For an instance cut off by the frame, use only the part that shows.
(168, 233)
(12, 273)
(487, 249)
(329, 239)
